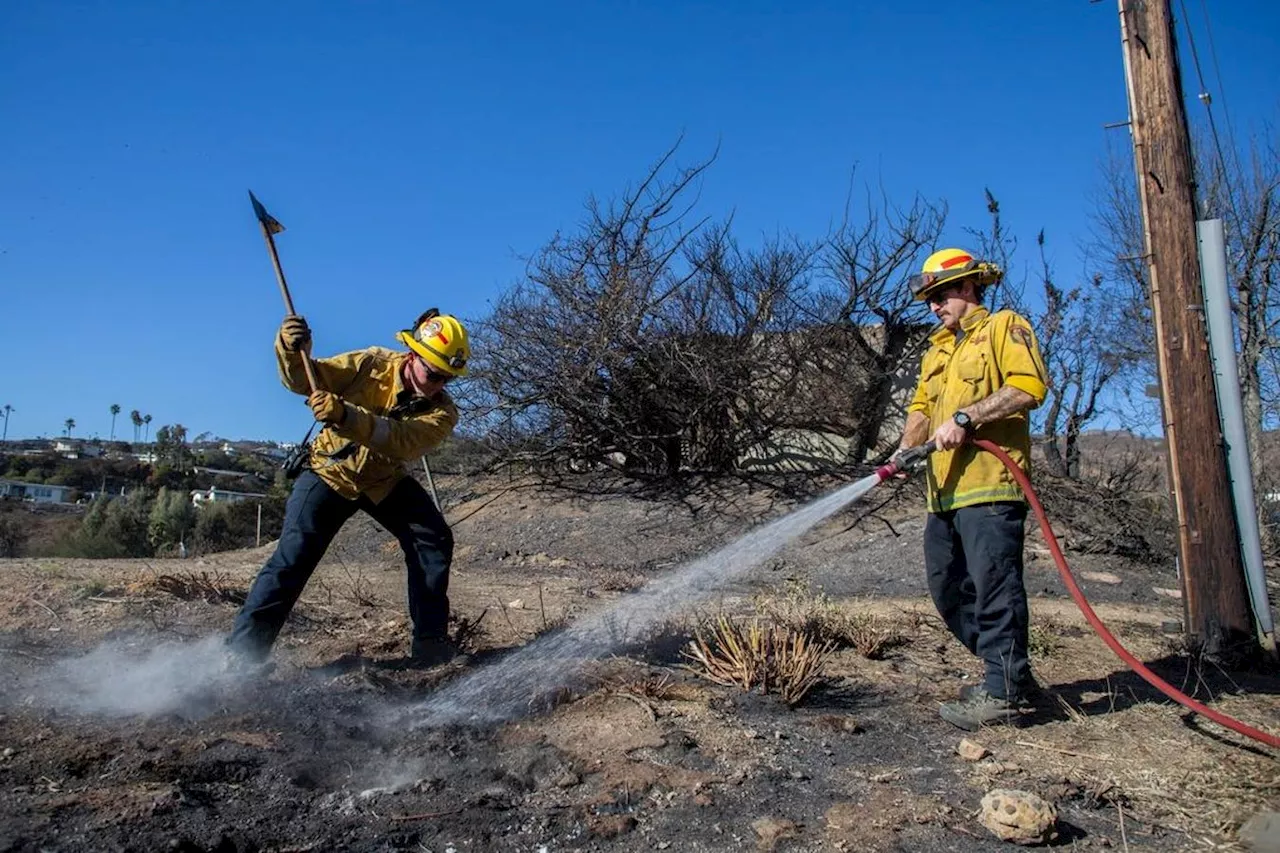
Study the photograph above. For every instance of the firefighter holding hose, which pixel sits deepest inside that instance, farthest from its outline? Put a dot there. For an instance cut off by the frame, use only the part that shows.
(980, 377)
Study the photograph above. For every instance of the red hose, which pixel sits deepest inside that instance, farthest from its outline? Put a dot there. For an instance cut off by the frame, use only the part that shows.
(1156, 681)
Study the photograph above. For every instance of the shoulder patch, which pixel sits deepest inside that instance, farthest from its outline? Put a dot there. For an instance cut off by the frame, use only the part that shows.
(1021, 334)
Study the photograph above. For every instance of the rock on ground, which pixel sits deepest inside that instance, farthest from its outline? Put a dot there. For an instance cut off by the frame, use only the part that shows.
(1018, 816)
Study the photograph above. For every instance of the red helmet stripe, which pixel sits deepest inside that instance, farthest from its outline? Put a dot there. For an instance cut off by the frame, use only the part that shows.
(956, 261)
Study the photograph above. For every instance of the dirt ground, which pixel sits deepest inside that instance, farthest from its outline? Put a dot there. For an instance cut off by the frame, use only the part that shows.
(120, 731)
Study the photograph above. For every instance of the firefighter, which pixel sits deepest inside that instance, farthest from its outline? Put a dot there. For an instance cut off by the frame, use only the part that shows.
(981, 376)
(381, 411)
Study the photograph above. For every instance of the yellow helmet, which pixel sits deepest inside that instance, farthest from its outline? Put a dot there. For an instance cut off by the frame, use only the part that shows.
(947, 267)
(441, 340)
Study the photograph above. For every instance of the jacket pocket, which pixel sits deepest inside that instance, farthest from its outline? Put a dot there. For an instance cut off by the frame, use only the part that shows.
(935, 378)
(972, 368)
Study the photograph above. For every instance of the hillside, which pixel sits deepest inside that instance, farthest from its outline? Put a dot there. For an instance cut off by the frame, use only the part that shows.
(119, 730)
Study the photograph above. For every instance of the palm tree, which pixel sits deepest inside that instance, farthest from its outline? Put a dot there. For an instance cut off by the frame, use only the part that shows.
(115, 410)
(136, 417)
(7, 411)
(146, 420)
(70, 424)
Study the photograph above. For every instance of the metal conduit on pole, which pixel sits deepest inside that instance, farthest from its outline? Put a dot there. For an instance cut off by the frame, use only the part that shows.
(1213, 271)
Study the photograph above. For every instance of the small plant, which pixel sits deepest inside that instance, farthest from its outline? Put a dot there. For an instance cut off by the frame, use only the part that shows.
(358, 587)
(1043, 639)
(773, 658)
(467, 632)
(798, 608)
(656, 686)
(619, 581)
(90, 589)
(818, 616)
(871, 635)
(213, 588)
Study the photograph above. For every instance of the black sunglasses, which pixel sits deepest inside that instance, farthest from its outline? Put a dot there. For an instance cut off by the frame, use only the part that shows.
(940, 295)
(435, 375)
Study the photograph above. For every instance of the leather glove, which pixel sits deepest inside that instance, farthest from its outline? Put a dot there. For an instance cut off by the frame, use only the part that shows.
(327, 407)
(295, 334)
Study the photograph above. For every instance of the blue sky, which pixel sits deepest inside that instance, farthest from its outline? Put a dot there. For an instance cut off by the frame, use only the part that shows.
(416, 151)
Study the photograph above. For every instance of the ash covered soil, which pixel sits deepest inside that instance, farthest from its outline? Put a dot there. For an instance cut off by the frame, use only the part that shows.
(119, 729)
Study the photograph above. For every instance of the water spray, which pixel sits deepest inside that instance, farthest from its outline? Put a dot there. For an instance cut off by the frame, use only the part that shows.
(511, 687)
(503, 691)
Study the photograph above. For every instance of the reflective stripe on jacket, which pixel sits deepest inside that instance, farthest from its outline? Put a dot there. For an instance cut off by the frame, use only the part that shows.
(993, 350)
(387, 427)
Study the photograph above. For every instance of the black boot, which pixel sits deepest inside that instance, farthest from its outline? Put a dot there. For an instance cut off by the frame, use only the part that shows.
(434, 651)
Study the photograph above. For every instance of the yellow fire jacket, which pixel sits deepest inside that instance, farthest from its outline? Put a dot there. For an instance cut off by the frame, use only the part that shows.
(992, 351)
(387, 427)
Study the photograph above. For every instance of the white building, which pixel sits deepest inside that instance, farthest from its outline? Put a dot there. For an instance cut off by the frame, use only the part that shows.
(36, 492)
(200, 497)
(275, 451)
(74, 449)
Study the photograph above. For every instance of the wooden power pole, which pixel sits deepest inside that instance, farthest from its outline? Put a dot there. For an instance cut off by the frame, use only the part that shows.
(1218, 616)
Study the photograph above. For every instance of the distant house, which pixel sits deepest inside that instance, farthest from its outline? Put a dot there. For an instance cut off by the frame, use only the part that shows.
(36, 492)
(200, 497)
(94, 494)
(274, 451)
(73, 449)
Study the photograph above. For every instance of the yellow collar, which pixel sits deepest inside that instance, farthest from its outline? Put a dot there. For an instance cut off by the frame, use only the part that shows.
(944, 336)
(974, 318)
(397, 384)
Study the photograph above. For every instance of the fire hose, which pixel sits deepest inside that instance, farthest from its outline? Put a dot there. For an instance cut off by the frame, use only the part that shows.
(908, 459)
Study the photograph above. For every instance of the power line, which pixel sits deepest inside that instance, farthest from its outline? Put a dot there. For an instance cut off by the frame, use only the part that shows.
(1217, 72)
(1206, 99)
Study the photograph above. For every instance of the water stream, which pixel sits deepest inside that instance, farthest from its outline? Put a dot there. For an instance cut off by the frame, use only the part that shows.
(504, 690)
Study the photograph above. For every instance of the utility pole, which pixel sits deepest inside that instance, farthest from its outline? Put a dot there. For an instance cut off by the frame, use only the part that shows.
(1218, 618)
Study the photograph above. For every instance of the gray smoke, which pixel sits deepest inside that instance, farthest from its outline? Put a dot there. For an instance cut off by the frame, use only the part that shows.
(136, 679)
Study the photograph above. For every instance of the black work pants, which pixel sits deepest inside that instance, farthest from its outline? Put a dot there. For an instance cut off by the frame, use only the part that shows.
(973, 557)
(313, 516)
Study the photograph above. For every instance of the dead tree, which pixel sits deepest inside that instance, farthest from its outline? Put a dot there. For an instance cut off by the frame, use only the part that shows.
(1077, 332)
(867, 263)
(636, 338)
(1244, 191)
(995, 243)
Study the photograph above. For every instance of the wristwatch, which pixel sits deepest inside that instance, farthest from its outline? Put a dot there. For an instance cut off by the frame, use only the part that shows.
(964, 422)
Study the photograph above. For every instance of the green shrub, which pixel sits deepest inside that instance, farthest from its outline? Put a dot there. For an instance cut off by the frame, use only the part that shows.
(171, 520)
(213, 531)
(13, 534)
(113, 527)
